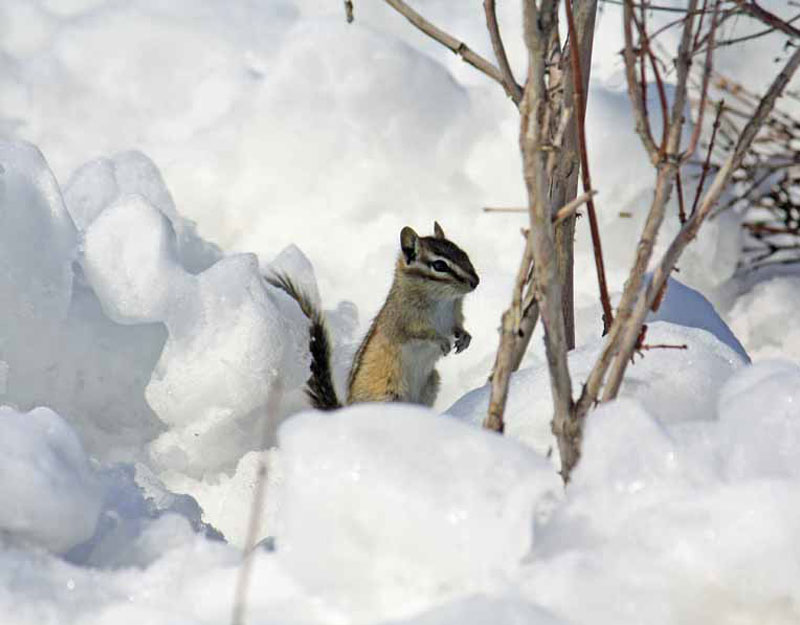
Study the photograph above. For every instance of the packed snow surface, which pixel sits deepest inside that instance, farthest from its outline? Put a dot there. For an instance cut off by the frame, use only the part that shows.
(158, 159)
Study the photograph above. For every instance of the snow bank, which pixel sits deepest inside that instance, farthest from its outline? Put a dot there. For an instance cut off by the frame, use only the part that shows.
(226, 336)
(759, 317)
(383, 507)
(760, 414)
(673, 523)
(58, 347)
(672, 384)
(50, 495)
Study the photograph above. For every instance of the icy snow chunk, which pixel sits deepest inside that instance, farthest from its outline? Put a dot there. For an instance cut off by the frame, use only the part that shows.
(671, 384)
(129, 262)
(99, 183)
(686, 307)
(227, 341)
(49, 493)
(225, 345)
(759, 411)
(760, 316)
(227, 501)
(37, 241)
(392, 503)
(133, 502)
(227, 338)
(60, 349)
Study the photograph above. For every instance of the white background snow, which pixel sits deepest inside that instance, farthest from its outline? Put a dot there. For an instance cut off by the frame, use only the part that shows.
(159, 157)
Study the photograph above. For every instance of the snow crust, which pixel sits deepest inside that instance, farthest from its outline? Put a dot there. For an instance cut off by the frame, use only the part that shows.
(193, 147)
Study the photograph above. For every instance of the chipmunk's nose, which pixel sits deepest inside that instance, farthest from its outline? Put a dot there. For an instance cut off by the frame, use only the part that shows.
(474, 280)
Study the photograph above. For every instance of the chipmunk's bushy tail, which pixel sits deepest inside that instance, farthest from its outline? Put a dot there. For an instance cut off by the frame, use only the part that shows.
(319, 386)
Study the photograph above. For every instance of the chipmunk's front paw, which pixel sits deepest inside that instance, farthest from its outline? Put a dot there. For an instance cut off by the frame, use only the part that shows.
(444, 345)
(463, 339)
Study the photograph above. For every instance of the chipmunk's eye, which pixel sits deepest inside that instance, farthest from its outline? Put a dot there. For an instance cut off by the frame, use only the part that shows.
(439, 265)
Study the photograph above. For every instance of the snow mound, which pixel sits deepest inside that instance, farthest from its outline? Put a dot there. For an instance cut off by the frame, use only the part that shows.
(227, 339)
(50, 495)
(685, 306)
(760, 420)
(384, 507)
(37, 245)
(759, 318)
(127, 259)
(655, 529)
(59, 349)
(672, 384)
(99, 183)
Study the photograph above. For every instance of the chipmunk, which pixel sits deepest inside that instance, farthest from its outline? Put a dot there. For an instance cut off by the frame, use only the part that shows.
(414, 328)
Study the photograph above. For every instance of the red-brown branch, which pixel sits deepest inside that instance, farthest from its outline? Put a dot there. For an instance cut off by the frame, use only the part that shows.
(580, 105)
(707, 162)
(768, 18)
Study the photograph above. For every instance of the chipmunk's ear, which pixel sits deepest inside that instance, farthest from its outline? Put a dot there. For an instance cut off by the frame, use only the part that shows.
(409, 243)
(437, 231)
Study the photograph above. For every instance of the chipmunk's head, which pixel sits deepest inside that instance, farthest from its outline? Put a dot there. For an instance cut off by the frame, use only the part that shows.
(436, 263)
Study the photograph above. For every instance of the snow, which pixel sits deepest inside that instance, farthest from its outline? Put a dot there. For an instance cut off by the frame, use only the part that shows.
(759, 316)
(158, 159)
(673, 384)
(391, 504)
(51, 496)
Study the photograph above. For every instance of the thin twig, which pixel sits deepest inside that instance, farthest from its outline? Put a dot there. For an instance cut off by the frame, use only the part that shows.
(570, 208)
(448, 41)
(257, 505)
(635, 89)
(707, 69)
(560, 215)
(707, 162)
(679, 189)
(667, 167)
(577, 81)
(662, 94)
(768, 18)
(512, 88)
(689, 231)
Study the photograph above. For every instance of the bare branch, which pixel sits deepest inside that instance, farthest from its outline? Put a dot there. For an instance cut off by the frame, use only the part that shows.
(539, 26)
(512, 88)
(707, 162)
(689, 230)
(707, 69)
(580, 108)
(509, 333)
(560, 215)
(768, 18)
(570, 208)
(635, 89)
(448, 41)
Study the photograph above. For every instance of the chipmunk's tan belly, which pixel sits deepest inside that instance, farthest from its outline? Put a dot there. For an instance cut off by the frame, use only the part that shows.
(394, 373)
